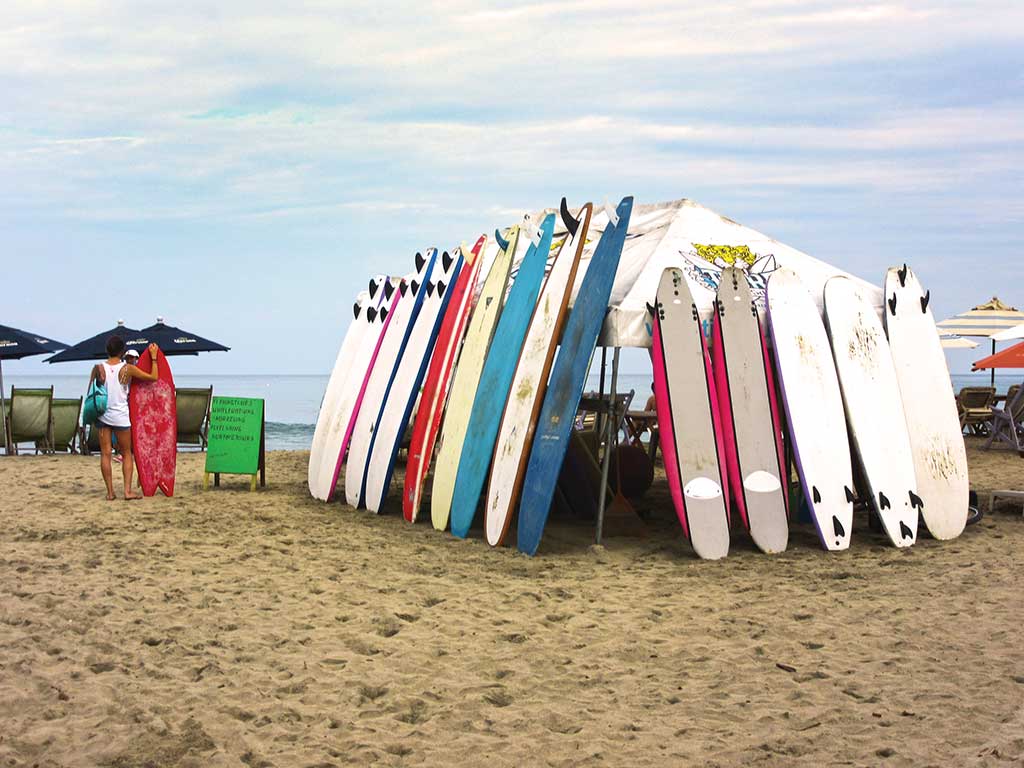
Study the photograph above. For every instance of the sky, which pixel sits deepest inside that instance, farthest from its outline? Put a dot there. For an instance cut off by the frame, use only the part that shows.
(242, 168)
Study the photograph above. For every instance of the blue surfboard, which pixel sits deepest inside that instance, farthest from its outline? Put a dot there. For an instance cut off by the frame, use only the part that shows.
(419, 294)
(568, 378)
(496, 379)
(405, 389)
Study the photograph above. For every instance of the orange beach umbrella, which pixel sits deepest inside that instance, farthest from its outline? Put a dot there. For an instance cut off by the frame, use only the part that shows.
(1011, 357)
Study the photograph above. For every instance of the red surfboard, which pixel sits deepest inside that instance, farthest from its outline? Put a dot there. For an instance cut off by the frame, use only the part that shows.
(154, 415)
(438, 378)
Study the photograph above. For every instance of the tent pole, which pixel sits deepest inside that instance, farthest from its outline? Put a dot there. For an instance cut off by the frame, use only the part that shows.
(610, 440)
(600, 387)
(3, 412)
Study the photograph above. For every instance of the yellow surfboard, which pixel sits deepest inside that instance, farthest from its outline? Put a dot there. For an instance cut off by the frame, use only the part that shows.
(464, 383)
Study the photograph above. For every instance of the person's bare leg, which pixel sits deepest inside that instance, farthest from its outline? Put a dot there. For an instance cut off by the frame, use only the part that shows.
(124, 439)
(105, 451)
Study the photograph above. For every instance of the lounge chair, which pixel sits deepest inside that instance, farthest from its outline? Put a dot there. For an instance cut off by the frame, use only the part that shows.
(193, 406)
(65, 414)
(1007, 423)
(29, 418)
(975, 406)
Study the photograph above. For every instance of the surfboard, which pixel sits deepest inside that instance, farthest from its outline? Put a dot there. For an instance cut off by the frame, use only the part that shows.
(750, 431)
(439, 376)
(396, 410)
(154, 416)
(339, 397)
(874, 409)
(496, 378)
(933, 423)
(530, 381)
(689, 426)
(814, 407)
(466, 378)
(400, 323)
(567, 382)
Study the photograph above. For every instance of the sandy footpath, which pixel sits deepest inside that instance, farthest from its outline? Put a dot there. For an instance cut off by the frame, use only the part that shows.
(224, 628)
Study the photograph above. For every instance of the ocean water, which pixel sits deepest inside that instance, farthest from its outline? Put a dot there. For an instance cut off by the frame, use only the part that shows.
(292, 402)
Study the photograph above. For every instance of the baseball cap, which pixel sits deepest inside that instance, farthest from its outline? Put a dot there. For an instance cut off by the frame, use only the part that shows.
(131, 353)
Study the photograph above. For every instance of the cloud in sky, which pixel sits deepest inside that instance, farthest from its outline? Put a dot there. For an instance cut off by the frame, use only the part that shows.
(242, 167)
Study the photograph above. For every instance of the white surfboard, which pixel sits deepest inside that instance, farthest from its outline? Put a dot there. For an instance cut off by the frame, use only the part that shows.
(462, 392)
(874, 409)
(754, 466)
(380, 379)
(336, 408)
(526, 395)
(398, 407)
(933, 424)
(814, 407)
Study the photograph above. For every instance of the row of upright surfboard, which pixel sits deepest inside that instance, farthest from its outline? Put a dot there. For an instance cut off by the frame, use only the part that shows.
(491, 398)
(847, 381)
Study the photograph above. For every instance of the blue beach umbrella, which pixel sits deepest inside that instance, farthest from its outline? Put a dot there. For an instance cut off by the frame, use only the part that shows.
(14, 345)
(95, 347)
(175, 341)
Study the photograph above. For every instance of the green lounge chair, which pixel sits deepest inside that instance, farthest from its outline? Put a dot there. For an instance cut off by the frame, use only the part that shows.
(975, 406)
(65, 415)
(29, 418)
(193, 405)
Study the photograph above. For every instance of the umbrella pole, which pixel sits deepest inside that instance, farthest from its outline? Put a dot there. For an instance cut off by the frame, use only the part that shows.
(993, 370)
(3, 412)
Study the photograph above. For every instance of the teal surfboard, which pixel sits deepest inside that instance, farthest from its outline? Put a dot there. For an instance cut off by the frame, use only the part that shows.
(496, 379)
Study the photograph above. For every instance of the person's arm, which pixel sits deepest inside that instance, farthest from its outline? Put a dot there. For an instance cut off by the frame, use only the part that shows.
(134, 372)
(96, 374)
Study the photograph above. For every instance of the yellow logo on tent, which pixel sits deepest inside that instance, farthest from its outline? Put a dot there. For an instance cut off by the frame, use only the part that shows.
(727, 254)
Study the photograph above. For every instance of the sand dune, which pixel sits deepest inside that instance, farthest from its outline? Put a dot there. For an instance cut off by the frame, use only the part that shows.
(267, 629)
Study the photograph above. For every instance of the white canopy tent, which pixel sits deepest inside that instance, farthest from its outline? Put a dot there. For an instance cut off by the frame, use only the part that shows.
(682, 233)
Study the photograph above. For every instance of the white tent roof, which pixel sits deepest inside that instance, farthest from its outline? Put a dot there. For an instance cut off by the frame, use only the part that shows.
(685, 234)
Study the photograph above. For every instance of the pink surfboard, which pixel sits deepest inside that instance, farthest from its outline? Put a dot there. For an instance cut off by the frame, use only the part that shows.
(688, 419)
(154, 415)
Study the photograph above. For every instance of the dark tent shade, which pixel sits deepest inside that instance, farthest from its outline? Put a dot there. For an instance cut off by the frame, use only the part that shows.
(16, 344)
(173, 341)
(95, 347)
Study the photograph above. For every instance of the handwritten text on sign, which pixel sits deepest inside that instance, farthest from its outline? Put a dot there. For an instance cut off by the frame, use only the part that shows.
(234, 438)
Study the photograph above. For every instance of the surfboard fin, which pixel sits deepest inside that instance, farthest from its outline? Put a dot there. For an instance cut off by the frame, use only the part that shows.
(355, 310)
(905, 531)
(440, 287)
(915, 501)
(883, 501)
(373, 287)
(837, 527)
(815, 495)
(404, 287)
(430, 289)
(383, 314)
(446, 260)
(650, 308)
(371, 314)
(571, 224)
(924, 301)
(902, 274)
(849, 494)
(501, 241)
(389, 289)
(892, 305)
(420, 261)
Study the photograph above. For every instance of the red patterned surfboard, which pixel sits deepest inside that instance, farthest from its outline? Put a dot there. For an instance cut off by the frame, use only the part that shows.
(154, 416)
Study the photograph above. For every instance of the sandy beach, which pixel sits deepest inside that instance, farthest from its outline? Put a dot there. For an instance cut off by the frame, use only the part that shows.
(224, 628)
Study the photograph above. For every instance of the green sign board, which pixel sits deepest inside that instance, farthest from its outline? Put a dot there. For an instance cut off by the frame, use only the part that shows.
(235, 438)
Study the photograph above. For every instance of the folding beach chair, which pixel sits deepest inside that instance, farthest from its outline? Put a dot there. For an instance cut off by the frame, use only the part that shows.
(1007, 424)
(29, 418)
(975, 406)
(65, 414)
(193, 405)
